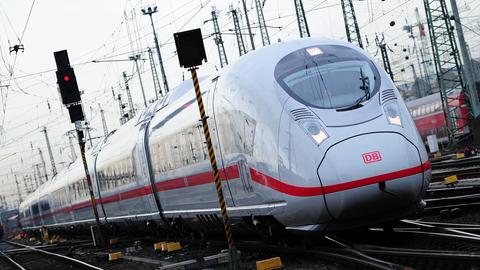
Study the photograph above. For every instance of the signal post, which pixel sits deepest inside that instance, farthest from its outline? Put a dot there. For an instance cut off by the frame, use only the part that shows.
(68, 86)
(191, 53)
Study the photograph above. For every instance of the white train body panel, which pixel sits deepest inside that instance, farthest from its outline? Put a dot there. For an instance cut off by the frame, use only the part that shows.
(290, 146)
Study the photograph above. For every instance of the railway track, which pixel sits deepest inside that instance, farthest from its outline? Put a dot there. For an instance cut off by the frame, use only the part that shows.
(457, 202)
(23, 257)
(461, 173)
(459, 163)
(452, 191)
(421, 245)
(357, 254)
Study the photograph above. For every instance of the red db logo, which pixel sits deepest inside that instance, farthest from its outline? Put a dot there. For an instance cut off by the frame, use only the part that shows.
(371, 157)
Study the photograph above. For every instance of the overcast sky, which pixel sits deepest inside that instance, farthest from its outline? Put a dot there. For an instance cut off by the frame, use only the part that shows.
(97, 30)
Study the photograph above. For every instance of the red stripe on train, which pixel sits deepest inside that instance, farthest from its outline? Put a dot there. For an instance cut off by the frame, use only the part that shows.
(232, 172)
(292, 190)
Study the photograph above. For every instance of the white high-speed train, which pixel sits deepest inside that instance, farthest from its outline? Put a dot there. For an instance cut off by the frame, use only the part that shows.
(310, 135)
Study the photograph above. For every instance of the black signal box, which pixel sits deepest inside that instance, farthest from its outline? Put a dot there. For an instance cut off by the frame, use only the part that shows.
(76, 113)
(190, 48)
(67, 82)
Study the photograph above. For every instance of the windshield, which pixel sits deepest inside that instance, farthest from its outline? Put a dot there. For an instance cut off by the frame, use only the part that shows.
(328, 77)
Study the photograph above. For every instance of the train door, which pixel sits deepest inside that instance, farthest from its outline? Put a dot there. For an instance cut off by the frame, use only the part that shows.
(143, 169)
(232, 149)
(37, 218)
(68, 200)
(45, 211)
(96, 186)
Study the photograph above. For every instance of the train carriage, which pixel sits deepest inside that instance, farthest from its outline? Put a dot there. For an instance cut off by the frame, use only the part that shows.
(311, 135)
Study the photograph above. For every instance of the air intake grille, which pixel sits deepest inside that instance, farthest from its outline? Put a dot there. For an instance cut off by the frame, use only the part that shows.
(387, 95)
(300, 114)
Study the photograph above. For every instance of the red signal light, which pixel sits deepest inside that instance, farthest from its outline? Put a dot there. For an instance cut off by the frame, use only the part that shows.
(66, 78)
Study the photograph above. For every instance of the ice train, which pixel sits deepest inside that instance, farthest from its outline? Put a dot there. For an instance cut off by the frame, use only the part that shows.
(310, 135)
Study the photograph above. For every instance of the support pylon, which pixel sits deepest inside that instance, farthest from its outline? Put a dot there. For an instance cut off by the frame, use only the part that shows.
(238, 32)
(156, 80)
(222, 55)
(301, 19)
(262, 24)
(351, 24)
(447, 61)
(383, 50)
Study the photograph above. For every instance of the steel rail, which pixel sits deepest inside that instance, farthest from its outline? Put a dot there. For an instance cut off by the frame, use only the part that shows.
(451, 206)
(449, 225)
(348, 247)
(461, 173)
(432, 254)
(332, 254)
(66, 258)
(442, 231)
(433, 193)
(11, 261)
(456, 163)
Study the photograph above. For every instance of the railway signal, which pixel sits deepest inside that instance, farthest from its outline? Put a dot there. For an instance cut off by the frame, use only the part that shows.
(191, 53)
(67, 83)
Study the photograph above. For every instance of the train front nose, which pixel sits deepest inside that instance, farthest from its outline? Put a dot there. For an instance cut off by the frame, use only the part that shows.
(376, 175)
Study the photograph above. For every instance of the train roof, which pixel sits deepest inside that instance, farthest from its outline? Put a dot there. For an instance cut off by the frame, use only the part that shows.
(423, 100)
(270, 55)
(58, 181)
(110, 145)
(429, 99)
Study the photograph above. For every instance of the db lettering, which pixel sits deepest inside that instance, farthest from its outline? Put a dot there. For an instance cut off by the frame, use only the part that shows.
(371, 157)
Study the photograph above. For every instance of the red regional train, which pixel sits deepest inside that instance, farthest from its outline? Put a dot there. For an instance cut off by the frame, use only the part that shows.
(429, 118)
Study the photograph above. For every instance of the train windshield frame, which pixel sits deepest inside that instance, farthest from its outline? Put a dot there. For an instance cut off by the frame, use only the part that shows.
(328, 76)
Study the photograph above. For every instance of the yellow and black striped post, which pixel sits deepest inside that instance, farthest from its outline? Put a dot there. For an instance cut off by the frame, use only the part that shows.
(93, 201)
(234, 259)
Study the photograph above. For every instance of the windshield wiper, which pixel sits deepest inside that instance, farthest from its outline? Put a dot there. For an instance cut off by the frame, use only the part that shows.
(366, 93)
(357, 104)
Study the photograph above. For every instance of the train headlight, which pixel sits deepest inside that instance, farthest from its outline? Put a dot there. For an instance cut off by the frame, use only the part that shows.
(315, 130)
(393, 114)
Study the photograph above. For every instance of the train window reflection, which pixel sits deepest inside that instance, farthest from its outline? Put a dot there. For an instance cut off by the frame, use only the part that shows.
(334, 79)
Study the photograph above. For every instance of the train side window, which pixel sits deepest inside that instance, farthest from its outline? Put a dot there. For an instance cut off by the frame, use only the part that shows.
(161, 158)
(45, 206)
(35, 209)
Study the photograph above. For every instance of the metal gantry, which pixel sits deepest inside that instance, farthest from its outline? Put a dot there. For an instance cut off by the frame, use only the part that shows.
(351, 24)
(424, 51)
(156, 80)
(261, 23)
(131, 111)
(150, 11)
(238, 32)
(467, 62)
(50, 153)
(222, 55)
(446, 57)
(301, 19)
(250, 34)
(383, 50)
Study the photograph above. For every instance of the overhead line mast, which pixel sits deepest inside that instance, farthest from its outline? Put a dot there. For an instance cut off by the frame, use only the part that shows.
(156, 80)
(238, 32)
(262, 24)
(301, 19)
(351, 24)
(383, 50)
(250, 34)
(450, 75)
(222, 55)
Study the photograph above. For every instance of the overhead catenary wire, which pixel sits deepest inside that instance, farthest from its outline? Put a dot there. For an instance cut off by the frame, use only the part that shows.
(115, 46)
